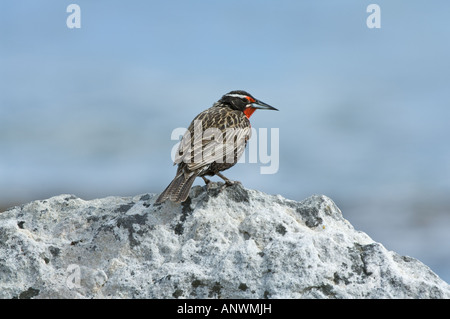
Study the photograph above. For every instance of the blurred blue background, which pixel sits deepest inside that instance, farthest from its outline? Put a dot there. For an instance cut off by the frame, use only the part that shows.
(364, 113)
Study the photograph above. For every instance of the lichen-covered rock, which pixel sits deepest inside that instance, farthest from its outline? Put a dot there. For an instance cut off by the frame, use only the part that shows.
(237, 243)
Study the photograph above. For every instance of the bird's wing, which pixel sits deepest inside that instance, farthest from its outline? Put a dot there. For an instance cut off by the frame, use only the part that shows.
(217, 138)
(184, 148)
(220, 147)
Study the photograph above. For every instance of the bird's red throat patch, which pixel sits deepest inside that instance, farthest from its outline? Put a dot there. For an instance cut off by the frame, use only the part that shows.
(249, 111)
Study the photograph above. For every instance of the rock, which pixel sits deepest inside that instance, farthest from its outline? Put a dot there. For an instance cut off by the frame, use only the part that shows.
(237, 243)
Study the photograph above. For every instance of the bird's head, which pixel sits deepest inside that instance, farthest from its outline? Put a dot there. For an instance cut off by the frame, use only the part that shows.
(245, 102)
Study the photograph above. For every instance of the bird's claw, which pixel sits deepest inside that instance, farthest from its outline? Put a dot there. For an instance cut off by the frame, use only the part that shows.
(229, 183)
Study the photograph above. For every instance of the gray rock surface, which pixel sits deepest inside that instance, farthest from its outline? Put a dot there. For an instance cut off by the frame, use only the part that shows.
(237, 243)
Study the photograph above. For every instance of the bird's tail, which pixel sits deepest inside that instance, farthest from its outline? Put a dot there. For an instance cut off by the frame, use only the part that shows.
(178, 189)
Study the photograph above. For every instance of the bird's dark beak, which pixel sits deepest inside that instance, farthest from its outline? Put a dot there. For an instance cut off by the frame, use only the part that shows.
(263, 106)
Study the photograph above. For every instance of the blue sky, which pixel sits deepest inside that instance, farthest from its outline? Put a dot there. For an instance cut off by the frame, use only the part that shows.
(110, 93)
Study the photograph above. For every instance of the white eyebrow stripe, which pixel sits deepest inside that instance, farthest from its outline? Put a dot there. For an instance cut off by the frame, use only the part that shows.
(237, 95)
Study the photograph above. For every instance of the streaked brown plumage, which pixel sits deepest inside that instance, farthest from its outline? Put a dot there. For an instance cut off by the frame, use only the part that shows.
(213, 142)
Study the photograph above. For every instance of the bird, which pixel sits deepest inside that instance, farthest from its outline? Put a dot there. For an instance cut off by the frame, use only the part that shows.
(213, 142)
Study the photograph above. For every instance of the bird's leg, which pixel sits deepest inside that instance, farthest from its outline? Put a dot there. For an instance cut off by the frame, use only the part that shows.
(207, 182)
(228, 182)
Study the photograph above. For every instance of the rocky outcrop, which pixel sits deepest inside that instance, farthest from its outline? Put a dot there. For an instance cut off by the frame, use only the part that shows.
(235, 243)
